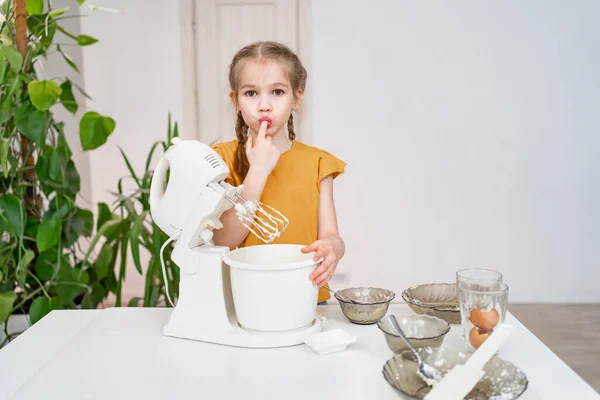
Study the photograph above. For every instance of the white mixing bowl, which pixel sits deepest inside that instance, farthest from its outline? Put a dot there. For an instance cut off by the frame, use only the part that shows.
(271, 288)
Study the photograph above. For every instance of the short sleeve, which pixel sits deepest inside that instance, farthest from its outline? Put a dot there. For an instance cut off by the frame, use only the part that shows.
(329, 165)
(228, 160)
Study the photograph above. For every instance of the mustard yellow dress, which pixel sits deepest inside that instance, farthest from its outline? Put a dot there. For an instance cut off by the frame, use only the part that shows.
(292, 189)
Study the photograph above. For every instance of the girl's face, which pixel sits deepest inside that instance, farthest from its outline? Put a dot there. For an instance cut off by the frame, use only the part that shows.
(265, 93)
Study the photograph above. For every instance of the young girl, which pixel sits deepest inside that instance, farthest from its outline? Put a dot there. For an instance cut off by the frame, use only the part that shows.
(267, 83)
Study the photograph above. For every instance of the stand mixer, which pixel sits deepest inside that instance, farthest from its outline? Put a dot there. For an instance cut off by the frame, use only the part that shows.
(188, 209)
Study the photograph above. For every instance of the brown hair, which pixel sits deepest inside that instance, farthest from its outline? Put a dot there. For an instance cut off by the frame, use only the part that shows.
(296, 73)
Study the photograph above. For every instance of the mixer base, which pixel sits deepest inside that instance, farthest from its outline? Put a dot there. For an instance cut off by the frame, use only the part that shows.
(241, 337)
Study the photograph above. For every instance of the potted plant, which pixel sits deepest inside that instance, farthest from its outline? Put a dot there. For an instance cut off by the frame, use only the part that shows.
(131, 229)
(42, 266)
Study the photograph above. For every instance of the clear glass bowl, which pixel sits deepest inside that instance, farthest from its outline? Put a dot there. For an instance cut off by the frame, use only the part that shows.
(421, 331)
(374, 304)
(502, 379)
(437, 299)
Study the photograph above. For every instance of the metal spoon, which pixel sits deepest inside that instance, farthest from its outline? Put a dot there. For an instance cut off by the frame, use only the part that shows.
(428, 373)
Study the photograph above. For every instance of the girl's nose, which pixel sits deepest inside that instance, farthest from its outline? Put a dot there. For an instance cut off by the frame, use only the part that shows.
(265, 104)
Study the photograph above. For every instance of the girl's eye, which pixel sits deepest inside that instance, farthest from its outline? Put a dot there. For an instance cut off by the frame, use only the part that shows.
(277, 92)
(250, 93)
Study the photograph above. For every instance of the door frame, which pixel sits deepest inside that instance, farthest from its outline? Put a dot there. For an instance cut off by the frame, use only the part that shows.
(187, 20)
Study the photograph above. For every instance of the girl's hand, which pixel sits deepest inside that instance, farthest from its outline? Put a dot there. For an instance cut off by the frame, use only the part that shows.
(262, 153)
(331, 249)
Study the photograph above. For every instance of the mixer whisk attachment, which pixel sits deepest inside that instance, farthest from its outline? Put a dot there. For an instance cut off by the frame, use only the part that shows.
(261, 219)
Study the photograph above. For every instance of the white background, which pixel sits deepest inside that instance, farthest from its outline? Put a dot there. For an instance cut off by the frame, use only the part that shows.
(470, 130)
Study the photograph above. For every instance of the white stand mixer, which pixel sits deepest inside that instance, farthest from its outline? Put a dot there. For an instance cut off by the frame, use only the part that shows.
(188, 210)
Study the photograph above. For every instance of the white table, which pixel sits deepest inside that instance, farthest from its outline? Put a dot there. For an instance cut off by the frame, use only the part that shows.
(120, 353)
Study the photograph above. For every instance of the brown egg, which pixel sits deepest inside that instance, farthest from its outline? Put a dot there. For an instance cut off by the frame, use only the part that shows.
(476, 337)
(484, 320)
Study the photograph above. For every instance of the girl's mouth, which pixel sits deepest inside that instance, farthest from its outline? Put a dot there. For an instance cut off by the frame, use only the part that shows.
(269, 121)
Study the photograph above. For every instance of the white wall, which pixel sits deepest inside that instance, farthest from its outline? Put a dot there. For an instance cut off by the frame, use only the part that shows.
(472, 138)
(134, 76)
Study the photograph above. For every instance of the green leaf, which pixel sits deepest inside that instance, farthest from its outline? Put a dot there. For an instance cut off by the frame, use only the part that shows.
(99, 292)
(6, 109)
(14, 57)
(62, 145)
(60, 212)
(34, 7)
(55, 304)
(135, 240)
(32, 124)
(104, 214)
(23, 267)
(7, 300)
(4, 146)
(36, 127)
(154, 295)
(27, 259)
(149, 159)
(12, 207)
(51, 166)
(156, 239)
(80, 2)
(46, 264)
(44, 94)
(22, 117)
(84, 40)
(68, 59)
(91, 300)
(134, 302)
(105, 227)
(83, 222)
(100, 8)
(56, 166)
(73, 179)
(31, 226)
(48, 234)
(169, 128)
(70, 282)
(103, 263)
(58, 12)
(39, 308)
(94, 130)
(42, 28)
(130, 168)
(66, 97)
(3, 68)
(122, 269)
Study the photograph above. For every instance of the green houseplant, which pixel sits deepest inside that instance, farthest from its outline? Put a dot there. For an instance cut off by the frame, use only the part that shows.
(42, 266)
(131, 229)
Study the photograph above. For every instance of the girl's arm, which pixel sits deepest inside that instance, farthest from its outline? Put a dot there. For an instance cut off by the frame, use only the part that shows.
(329, 244)
(262, 157)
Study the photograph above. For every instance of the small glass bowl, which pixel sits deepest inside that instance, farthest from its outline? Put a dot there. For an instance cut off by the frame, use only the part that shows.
(421, 331)
(374, 303)
(437, 299)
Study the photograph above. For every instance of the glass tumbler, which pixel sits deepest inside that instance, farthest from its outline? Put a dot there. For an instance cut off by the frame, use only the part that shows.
(477, 276)
(482, 309)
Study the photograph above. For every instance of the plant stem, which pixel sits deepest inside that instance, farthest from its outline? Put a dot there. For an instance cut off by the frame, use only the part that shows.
(31, 295)
(39, 283)
(21, 28)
